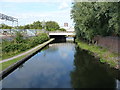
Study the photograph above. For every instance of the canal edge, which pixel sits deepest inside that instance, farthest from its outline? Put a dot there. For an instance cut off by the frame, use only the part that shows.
(12, 67)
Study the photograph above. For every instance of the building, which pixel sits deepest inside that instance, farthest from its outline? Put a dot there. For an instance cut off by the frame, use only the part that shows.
(65, 24)
(67, 27)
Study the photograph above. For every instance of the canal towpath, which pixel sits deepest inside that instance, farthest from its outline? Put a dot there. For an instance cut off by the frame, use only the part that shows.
(27, 52)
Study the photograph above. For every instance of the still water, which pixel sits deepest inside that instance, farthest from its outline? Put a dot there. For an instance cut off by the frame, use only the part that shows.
(62, 65)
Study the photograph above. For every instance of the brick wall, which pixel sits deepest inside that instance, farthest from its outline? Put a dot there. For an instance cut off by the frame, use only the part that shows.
(112, 43)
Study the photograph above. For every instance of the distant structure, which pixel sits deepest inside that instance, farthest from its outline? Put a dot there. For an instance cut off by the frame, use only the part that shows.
(65, 24)
(67, 27)
(8, 18)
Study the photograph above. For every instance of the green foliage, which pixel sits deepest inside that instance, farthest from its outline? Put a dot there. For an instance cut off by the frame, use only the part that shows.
(19, 38)
(52, 26)
(19, 44)
(37, 25)
(3, 26)
(62, 29)
(49, 25)
(96, 18)
(102, 53)
(34, 25)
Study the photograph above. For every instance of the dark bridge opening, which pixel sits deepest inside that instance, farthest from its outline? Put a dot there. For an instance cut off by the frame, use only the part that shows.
(59, 38)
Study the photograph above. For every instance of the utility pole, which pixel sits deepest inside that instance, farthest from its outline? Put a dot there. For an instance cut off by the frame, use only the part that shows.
(8, 18)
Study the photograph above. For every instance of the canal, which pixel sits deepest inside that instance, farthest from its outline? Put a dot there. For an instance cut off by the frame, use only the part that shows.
(62, 65)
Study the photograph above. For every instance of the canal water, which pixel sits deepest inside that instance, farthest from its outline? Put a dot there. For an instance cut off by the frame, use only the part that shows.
(62, 65)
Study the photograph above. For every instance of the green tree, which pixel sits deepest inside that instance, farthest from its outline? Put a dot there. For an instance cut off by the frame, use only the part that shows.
(96, 18)
(4, 26)
(37, 25)
(52, 26)
(26, 26)
(62, 29)
(34, 25)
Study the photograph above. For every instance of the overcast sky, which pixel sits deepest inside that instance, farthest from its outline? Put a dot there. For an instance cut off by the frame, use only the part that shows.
(28, 11)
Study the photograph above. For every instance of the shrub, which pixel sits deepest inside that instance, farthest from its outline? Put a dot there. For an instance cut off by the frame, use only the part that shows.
(21, 44)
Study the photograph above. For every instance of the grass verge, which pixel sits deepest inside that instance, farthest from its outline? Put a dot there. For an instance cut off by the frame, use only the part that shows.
(105, 55)
(14, 54)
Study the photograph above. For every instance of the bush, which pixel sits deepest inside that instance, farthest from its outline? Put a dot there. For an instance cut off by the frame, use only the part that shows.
(21, 44)
(62, 29)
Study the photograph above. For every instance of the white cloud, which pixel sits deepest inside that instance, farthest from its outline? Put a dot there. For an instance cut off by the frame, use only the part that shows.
(63, 5)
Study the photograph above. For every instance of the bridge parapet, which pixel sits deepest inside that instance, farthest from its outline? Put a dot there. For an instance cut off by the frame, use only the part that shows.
(62, 33)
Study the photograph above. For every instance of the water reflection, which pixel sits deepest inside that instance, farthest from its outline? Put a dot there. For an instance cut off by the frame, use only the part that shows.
(89, 73)
(49, 68)
(61, 65)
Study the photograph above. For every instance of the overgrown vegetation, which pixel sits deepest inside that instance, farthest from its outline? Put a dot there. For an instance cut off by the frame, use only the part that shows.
(96, 18)
(102, 53)
(20, 44)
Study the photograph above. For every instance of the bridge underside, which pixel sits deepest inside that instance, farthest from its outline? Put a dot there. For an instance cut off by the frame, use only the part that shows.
(59, 37)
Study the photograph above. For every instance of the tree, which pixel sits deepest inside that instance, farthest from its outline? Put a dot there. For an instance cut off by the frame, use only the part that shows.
(62, 29)
(37, 25)
(4, 26)
(96, 18)
(27, 26)
(34, 25)
(52, 26)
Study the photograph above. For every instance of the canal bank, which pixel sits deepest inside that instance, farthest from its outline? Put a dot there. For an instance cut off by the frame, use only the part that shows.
(20, 59)
(104, 55)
